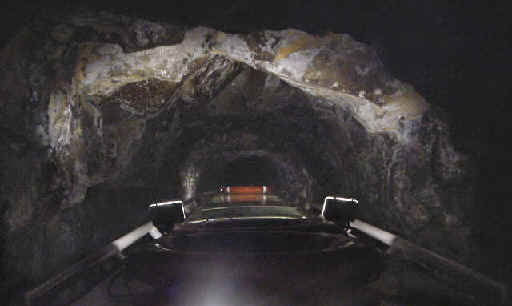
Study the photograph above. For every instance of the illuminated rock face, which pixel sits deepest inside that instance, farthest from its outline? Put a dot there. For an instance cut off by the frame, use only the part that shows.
(103, 114)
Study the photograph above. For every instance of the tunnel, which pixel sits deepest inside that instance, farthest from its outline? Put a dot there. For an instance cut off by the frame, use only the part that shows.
(105, 113)
(261, 172)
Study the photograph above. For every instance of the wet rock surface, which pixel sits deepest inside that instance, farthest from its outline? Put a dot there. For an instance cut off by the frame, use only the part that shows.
(103, 113)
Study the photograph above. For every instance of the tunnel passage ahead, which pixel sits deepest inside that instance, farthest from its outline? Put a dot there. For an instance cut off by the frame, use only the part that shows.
(108, 110)
(237, 157)
(249, 172)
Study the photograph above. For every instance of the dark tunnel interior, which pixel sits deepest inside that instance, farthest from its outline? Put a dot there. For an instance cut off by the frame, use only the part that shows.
(247, 171)
(107, 109)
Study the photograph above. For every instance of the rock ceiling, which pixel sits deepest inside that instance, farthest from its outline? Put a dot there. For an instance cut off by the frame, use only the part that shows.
(91, 100)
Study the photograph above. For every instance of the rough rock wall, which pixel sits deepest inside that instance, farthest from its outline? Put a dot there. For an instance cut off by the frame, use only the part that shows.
(421, 188)
(102, 99)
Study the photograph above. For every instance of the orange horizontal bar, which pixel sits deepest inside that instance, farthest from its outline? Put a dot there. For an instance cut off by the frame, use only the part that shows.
(246, 189)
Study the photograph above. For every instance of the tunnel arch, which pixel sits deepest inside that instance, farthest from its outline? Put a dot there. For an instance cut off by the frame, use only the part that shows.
(376, 123)
(108, 111)
(204, 169)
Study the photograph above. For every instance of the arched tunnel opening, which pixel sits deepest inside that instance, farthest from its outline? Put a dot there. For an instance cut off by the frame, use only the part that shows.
(114, 118)
(250, 171)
